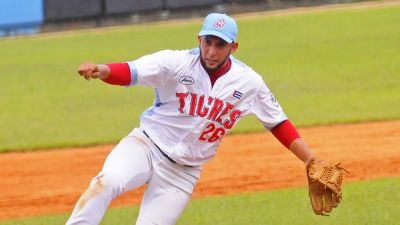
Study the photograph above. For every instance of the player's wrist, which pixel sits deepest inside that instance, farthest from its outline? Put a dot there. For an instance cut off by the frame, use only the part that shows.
(104, 71)
(309, 158)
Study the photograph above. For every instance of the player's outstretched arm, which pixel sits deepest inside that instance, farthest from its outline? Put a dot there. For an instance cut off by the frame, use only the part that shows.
(90, 70)
(324, 179)
(301, 150)
(287, 134)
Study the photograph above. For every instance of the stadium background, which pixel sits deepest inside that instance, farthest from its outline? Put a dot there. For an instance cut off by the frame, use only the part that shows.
(334, 68)
(25, 17)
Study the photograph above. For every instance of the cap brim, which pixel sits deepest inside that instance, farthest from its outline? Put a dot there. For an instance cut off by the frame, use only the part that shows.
(216, 33)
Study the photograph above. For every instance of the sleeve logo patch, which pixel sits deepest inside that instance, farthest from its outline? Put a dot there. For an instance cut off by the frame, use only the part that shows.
(186, 80)
(273, 100)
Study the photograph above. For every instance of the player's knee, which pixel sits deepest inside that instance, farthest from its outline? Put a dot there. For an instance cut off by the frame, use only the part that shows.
(105, 182)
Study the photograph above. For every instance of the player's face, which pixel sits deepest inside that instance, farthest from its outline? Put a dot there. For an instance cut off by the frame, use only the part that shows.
(215, 51)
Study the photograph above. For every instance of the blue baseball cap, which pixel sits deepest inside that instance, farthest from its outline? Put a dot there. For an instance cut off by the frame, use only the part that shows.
(220, 25)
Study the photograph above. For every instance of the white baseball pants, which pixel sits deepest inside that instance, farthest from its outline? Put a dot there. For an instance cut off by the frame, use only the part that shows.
(136, 161)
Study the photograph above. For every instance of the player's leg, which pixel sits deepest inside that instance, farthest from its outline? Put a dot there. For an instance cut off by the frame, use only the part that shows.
(169, 190)
(127, 166)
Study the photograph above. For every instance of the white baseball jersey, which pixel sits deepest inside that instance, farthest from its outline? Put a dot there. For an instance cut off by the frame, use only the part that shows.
(190, 116)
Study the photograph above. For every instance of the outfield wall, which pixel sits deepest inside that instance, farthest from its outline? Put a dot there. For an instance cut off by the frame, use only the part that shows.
(20, 16)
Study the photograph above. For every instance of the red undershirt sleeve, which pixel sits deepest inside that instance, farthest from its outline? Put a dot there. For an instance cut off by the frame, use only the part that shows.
(120, 74)
(285, 132)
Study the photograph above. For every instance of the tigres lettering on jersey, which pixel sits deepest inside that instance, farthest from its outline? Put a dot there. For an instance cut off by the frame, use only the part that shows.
(189, 116)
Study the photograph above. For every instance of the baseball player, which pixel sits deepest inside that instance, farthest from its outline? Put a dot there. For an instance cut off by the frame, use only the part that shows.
(200, 94)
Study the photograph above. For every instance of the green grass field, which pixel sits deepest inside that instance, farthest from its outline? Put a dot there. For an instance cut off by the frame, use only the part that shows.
(323, 67)
(366, 203)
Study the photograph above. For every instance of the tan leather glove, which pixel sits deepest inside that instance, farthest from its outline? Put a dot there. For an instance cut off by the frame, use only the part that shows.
(325, 185)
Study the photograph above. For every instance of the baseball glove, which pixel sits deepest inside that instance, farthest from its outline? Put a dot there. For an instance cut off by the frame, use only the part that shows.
(325, 185)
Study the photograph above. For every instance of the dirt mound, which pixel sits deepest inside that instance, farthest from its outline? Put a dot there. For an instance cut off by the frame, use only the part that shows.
(50, 182)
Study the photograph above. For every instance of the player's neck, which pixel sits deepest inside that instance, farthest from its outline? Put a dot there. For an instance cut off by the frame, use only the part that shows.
(215, 74)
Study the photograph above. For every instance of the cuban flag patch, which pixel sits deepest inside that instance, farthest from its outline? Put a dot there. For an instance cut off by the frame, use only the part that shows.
(237, 94)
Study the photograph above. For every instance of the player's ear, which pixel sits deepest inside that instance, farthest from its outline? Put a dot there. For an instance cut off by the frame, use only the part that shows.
(235, 46)
(199, 39)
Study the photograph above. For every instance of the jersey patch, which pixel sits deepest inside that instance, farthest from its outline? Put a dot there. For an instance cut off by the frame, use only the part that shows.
(273, 100)
(237, 94)
(186, 80)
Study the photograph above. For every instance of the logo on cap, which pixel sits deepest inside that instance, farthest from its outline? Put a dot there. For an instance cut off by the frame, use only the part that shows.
(219, 24)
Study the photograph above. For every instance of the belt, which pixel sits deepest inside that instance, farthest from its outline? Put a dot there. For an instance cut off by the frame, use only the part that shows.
(159, 149)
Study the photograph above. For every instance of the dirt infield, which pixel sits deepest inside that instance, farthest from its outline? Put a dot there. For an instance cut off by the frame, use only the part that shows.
(50, 182)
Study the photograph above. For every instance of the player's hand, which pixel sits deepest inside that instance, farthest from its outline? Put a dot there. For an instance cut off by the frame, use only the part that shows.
(325, 185)
(89, 70)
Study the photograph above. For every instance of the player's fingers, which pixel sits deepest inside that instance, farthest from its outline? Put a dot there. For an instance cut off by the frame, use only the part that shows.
(95, 75)
(85, 72)
(87, 77)
(328, 204)
(86, 69)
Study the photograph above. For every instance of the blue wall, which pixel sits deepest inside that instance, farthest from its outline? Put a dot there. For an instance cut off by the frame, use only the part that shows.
(20, 16)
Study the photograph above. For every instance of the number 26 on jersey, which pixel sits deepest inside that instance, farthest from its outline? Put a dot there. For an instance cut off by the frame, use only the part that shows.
(211, 133)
